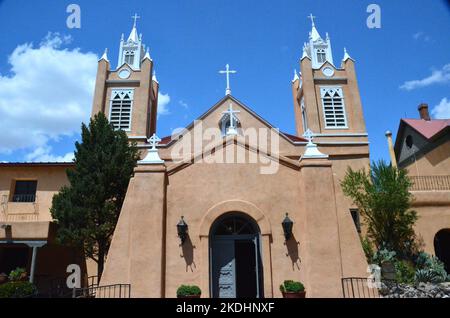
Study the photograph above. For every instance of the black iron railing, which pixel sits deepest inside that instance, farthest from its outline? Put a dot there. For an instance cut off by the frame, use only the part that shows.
(24, 198)
(359, 287)
(108, 291)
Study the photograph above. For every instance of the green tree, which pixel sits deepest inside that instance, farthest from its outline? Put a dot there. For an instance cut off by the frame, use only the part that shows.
(383, 198)
(88, 209)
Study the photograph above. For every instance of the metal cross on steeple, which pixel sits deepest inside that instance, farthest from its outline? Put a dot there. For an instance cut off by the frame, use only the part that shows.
(135, 17)
(228, 72)
(153, 141)
(312, 18)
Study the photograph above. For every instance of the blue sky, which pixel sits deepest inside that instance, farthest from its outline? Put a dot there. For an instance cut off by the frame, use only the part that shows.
(191, 40)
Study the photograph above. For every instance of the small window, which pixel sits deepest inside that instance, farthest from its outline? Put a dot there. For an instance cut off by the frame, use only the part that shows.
(321, 56)
(356, 220)
(129, 57)
(25, 191)
(409, 141)
(304, 116)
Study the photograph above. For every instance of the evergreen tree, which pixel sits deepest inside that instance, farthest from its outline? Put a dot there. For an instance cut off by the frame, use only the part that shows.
(383, 198)
(88, 209)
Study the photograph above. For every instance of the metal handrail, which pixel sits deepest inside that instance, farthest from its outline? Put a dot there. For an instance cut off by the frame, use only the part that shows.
(358, 287)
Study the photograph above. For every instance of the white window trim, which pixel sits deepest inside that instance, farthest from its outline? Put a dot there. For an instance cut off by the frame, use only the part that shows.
(131, 106)
(304, 114)
(343, 107)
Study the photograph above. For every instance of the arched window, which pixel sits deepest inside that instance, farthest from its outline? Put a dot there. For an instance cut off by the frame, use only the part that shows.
(234, 224)
(129, 57)
(321, 56)
(304, 117)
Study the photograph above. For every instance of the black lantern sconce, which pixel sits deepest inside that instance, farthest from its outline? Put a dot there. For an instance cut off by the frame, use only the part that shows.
(287, 227)
(182, 229)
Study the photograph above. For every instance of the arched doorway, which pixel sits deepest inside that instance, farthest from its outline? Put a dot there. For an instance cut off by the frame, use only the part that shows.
(235, 257)
(442, 247)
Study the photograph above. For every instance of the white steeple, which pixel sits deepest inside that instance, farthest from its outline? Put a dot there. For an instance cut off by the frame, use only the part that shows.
(131, 51)
(317, 49)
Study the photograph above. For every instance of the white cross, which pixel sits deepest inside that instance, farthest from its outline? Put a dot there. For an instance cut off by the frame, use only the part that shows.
(230, 112)
(228, 72)
(312, 18)
(153, 140)
(135, 17)
(309, 135)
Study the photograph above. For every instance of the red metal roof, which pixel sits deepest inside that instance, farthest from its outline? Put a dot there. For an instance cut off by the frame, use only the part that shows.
(428, 128)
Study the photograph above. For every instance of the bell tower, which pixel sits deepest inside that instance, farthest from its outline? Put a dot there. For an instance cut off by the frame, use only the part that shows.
(326, 96)
(128, 95)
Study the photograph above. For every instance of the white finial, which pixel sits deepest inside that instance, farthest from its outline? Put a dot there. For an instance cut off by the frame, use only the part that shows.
(295, 76)
(152, 156)
(305, 54)
(346, 55)
(135, 17)
(311, 151)
(228, 72)
(122, 37)
(154, 77)
(232, 128)
(147, 55)
(105, 55)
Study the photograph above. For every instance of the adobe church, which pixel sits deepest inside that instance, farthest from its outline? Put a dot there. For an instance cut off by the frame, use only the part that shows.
(231, 203)
(190, 218)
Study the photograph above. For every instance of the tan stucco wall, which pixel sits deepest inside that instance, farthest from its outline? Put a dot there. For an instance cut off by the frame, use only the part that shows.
(49, 180)
(433, 163)
(433, 209)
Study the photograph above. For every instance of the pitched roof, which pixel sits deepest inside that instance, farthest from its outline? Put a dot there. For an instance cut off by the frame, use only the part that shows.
(428, 128)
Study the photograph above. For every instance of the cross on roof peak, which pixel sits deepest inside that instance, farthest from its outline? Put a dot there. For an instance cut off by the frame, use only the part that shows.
(312, 18)
(227, 71)
(135, 17)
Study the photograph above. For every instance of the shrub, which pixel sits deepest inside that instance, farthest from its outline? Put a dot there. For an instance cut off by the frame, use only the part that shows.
(17, 274)
(430, 269)
(404, 272)
(368, 249)
(17, 289)
(290, 286)
(384, 255)
(187, 290)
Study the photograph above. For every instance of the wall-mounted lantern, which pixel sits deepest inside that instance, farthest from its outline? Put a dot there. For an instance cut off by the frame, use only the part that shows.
(182, 228)
(287, 227)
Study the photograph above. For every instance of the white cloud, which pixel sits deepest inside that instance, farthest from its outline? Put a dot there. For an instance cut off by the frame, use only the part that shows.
(163, 102)
(437, 77)
(421, 36)
(183, 104)
(47, 95)
(442, 110)
(44, 154)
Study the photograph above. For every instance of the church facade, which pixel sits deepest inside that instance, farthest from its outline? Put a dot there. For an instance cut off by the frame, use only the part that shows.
(206, 206)
(231, 203)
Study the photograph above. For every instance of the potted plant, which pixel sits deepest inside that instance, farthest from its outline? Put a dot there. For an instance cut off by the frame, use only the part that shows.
(188, 291)
(19, 274)
(3, 278)
(292, 289)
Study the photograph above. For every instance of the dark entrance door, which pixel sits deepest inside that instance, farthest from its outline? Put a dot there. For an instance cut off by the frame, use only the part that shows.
(442, 247)
(236, 270)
